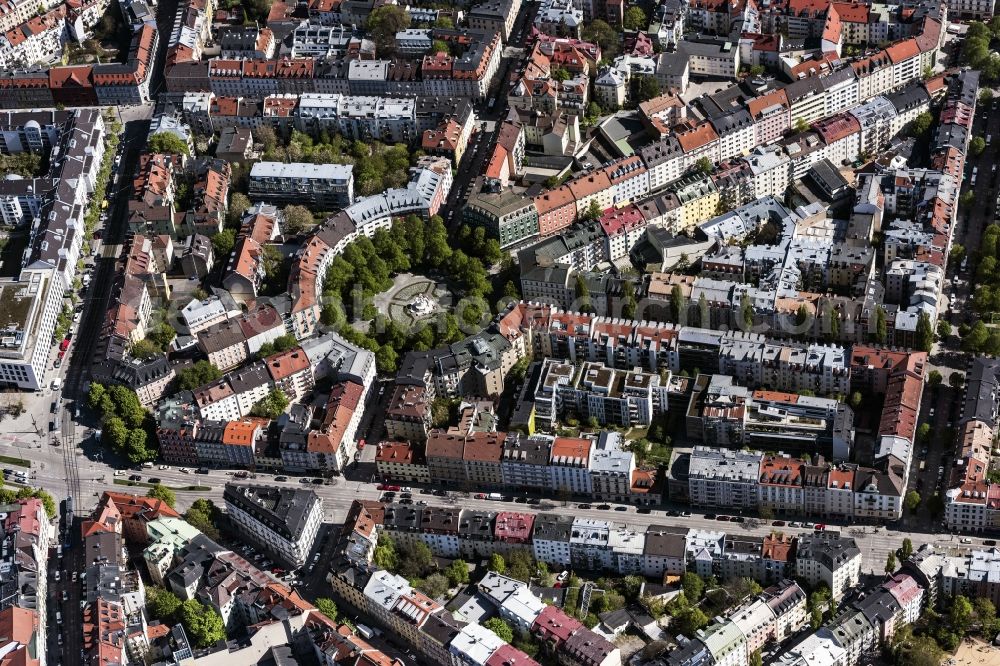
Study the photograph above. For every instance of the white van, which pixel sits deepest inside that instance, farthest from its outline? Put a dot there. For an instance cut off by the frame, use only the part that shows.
(58, 617)
(56, 383)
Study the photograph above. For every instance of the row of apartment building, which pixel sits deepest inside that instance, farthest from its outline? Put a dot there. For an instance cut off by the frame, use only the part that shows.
(107, 84)
(750, 168)
(600, 468)
(213, 424)
(468, 75)
(52, 209)
(782, 484)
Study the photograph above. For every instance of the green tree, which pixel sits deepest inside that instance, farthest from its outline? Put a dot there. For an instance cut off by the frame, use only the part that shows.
(602, 34)
(162, 604)
(497, 563)
(756, 659)
(703, 165)
(202, 623)
(499, 627)
(912, 500)
(385, 555)
(272, 405)
(879, 330)
(960, 615)
(924, 333)
(934, 378)
(800, 125)
(239, 203)
(690, 620)
(168, 143)
(693, 585)
(956, 380)
(298, 219)
(648, 88)
(161, 335)
(199, 374)
(439, 46)
(144, 350)
(757, 70)
(635, 19)
(224, 242)
(890, 562)
(906, 550)
(676, 304)
(856, 399)
(815, 619)
(923, 432)
(203, 515)
(383, 24)
(457, 573)
(434, 586)
(327, 607)
(415, 559)
(921, 124)
(977, 145)
(746, 311)
(166, 495)
(986, 613)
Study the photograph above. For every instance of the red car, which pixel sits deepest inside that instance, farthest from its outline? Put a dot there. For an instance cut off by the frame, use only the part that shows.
(64, 345)
(361, 444)
(819, 527)
(62, 354)
(480, 495)
(386, 486)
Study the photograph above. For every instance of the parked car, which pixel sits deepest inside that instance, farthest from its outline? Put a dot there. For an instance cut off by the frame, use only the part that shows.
(583, 506)
(134, 477)
(778, 523)
(281, 478)
(155, 479)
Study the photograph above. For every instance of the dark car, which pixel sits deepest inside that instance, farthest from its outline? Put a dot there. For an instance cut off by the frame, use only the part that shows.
(989, 542)
(723, 518)
(644, 509)
(709, 516)
(778, 523)
(201, 470)
(405, 500)
(583, 506)
(621, 508)
(534, 500)
(154, 480)
(521, 500)
(441, 493)
(134, 477)
(674, 514)
(318, 481)
(604, 507)
(281, 478)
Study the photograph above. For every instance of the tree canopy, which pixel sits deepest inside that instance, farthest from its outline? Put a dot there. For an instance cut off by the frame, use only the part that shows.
(123, 419)
(167, 142)
(272, 405)
(635, 19)
(161, 492)
(202, 623)
(199, 374)
(383, 24)
(500, 627)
